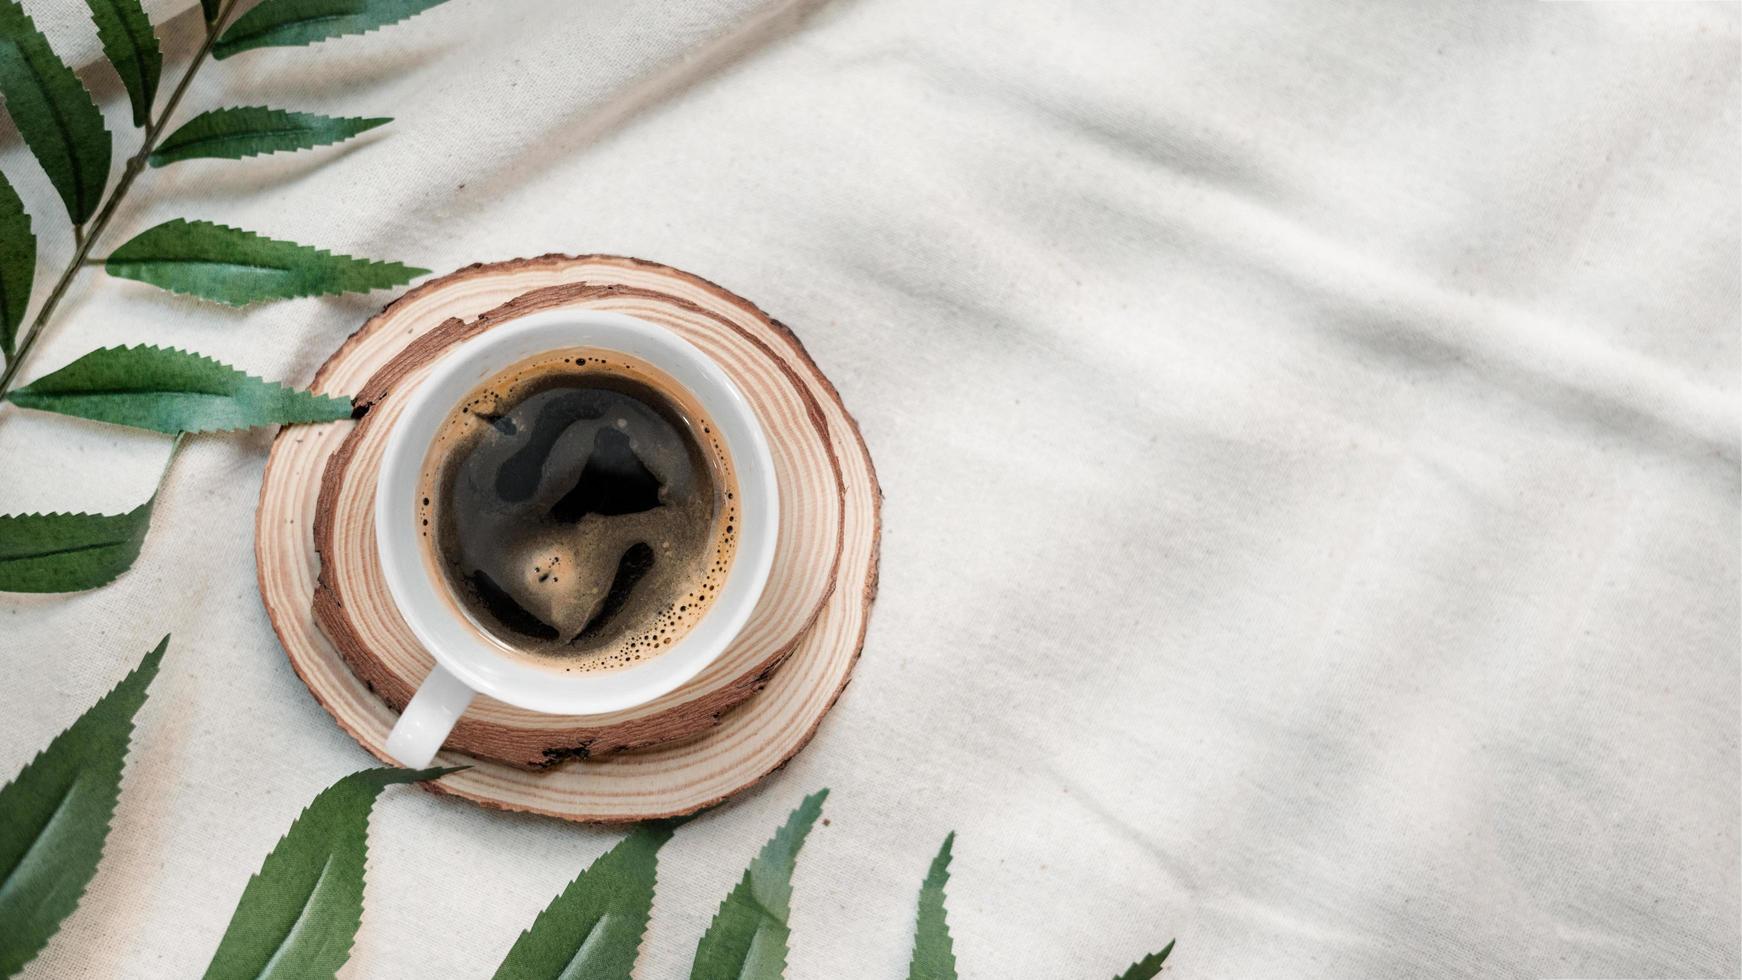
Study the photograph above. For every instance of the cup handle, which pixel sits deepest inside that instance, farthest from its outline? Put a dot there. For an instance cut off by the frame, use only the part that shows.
(427, 720)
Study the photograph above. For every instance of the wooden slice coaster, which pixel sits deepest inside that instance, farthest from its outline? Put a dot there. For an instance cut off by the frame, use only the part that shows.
(317, 502)
(354, 609)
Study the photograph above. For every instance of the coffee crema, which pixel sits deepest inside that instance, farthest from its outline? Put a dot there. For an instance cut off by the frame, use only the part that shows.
(581, 509)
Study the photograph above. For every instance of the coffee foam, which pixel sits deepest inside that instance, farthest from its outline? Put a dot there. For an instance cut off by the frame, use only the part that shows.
(528, 550)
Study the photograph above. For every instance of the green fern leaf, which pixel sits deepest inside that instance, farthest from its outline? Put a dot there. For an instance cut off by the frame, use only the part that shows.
(170, 390)
(69, 552)
(17, 265)
(288, 23)
(131, 46)
(252, 130)
(593, 929)
(747, 939)
(229, 265)
(933, 955)
(1148, 967)
(299, 913)
(54, 817)
(53, 113)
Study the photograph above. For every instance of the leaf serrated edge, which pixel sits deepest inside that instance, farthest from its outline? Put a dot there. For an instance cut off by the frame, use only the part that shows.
(389, 776)
(141, 513)
(10, 201)
(76, 165)
(159, 158)
(937, 879)
(412, 272)
(348, 403)
(662, 831)
(147, 93)
(197, 355)
(147, 667)
(226, 48)
(788, 830)
(69, 513)
(1148, 966)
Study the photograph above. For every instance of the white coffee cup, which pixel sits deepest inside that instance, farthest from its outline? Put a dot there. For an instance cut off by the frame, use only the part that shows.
(468, 662)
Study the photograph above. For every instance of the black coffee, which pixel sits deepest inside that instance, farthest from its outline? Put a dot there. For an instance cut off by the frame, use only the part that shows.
(581, 509)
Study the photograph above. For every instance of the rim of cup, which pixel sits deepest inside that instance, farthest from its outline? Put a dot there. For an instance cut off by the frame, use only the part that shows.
(422, 596)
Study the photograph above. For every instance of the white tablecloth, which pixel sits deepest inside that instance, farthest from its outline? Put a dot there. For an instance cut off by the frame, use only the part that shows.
(1310, 437)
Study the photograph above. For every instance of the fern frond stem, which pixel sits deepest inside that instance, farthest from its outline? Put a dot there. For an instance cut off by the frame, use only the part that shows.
(86, 238)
